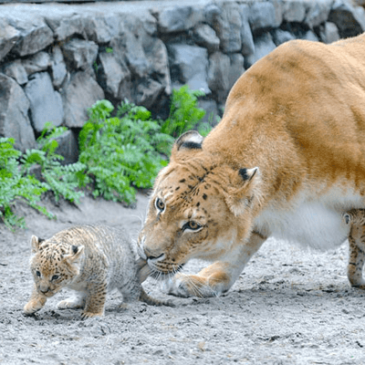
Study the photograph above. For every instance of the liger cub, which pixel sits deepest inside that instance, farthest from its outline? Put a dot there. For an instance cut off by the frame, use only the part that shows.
(287, 160)
(92, 260)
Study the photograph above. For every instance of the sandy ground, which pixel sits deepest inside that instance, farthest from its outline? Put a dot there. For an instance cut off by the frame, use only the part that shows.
(289, 307)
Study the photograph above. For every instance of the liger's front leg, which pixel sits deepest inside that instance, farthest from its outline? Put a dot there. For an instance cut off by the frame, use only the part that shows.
(218, 277)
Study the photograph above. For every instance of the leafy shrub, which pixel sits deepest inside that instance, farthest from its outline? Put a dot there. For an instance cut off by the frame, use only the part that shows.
(63, 181)
(14, 186)
(184, 113)
(122, 152)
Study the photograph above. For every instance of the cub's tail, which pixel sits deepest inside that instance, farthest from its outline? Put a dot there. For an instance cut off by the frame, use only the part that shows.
(144, 297)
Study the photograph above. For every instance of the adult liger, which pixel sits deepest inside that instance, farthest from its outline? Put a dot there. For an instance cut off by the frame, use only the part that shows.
(287, 160)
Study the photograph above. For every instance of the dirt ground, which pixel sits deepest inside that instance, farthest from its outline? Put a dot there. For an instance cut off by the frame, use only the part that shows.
(289, 306)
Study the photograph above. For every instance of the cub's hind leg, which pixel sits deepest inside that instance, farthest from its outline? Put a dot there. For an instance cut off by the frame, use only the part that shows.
(95, 300)
(355, 218)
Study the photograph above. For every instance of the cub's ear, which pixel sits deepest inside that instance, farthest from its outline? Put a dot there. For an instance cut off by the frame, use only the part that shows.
(75, 254)
(190, 141)
(241, 190)
(35, 242)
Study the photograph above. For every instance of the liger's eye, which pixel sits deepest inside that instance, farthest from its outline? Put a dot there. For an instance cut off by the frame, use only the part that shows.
(192, 225)
(160, 205)
(55, 277)
(38, 273)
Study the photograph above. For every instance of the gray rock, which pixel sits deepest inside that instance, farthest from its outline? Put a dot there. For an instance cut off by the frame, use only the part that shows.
(294, 11)
(263, 46)
(281, 36)
(112, 72)
(35, 35)
(188, 65)
(68, 147)
(317, 13)
(16, 71)
(149, 22)
(66, 26)
(78, 95)
(80, 54)
(349, 21)
(236, 68)
(278, 6)
(158, 61)
(129, 48)
(329, 33)
(212, 115)
(262, 17)
(248, 46)
(310, 36)
(58, 67)
(205, 36)
(45, 103)
(147, 92)
(36, 63)
(14, 121)
(8, 37)
(227, 24)
(218, 75)
(101, 30)
(179, 18)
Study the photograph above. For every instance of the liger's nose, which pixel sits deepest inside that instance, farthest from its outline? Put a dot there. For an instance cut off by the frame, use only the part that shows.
(152, 254)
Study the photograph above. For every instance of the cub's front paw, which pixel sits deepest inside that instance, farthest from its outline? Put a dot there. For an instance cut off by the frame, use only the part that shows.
(32, 307)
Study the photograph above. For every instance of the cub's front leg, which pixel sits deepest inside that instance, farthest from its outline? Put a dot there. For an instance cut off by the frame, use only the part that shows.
(355, 218)
(218, 277)
(36, 302)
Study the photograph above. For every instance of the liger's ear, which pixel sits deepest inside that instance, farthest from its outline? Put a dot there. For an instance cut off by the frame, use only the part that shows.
(241, 191)
(188, 142)
(75, 254)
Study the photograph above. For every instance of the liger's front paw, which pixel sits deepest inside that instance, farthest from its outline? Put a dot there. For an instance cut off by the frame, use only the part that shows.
(177, 286)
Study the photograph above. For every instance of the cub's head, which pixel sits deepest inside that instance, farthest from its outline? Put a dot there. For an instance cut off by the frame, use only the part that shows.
(200, 208)
(53, 265)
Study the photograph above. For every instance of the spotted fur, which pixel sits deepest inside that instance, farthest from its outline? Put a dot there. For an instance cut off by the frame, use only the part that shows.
(355, 218)
(92, 260)
(287, 160)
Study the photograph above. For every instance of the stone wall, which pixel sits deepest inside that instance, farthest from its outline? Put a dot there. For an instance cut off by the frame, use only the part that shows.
(56, 60)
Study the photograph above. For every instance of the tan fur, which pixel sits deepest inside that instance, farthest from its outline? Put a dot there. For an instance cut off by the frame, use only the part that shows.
(298, 115)
(91, 260)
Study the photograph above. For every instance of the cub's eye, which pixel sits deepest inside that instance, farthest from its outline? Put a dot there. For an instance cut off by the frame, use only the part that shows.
(160, 205)
(55, 277)
(38, 273)
(192, 225)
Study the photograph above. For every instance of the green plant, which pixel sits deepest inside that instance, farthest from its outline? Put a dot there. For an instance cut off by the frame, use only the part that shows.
(184, 113)
(15, 186)
(122, 152)
(63, 181)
